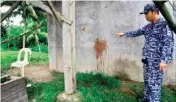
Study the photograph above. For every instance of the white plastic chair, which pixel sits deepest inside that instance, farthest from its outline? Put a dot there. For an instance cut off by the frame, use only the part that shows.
(21, 64)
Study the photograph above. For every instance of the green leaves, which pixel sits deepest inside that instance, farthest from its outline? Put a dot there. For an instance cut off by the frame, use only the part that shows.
(37, 36)
(31, 12)
(28, 10)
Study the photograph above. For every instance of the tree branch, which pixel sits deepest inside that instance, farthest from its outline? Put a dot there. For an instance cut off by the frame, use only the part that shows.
(58, 15)
(38, 26)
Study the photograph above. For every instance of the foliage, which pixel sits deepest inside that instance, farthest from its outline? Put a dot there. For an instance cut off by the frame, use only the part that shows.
(31, 17)
(13, 31)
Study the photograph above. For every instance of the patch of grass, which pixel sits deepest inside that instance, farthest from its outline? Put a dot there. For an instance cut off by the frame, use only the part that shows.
(137, 87)
(46, 92)
(101, 88)
(93, 88)
(168, 95)
(8, 57)
(97, 79)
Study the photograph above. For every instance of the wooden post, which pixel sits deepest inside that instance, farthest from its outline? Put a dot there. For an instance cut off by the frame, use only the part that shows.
(68, 33)
(68, 10)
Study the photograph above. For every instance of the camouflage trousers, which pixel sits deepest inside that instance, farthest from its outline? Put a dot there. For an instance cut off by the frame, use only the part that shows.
(153, 78)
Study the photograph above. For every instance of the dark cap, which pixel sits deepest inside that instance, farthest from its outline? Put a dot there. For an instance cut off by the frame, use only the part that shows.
(149, 7)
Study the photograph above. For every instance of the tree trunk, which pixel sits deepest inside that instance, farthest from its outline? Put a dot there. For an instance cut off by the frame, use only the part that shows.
(39, 47)
(37, 41)
(8, 44)
(24, 39)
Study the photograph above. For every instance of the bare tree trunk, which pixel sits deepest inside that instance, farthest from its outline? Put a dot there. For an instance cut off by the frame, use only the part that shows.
(8, 44)
(39, 47)
(24, 39)
(37, 41)
(38, 44)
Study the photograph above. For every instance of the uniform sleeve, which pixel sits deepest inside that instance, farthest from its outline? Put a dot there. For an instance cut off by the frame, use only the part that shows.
(138, 32)
(167, 46)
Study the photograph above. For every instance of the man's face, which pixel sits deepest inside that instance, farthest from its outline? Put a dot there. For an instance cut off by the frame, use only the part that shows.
(149, 16)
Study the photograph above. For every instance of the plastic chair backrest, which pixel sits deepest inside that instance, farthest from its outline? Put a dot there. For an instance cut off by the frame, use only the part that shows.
(27, 52)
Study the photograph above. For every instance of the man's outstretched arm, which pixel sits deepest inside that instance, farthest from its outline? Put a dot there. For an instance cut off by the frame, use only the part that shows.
(138, 32)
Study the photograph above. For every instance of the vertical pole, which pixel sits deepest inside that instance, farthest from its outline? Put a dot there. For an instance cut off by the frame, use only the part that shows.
(68, 10)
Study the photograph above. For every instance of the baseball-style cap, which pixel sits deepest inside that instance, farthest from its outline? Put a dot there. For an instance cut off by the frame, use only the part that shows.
(149, 7)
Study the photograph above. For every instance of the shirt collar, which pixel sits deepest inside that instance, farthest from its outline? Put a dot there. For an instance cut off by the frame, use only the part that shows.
(157, 21)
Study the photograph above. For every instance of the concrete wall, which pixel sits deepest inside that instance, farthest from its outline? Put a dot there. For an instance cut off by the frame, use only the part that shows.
(55, 40)
(102, 20)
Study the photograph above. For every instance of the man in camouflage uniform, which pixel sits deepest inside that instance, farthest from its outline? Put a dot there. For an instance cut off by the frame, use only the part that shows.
(157, 51)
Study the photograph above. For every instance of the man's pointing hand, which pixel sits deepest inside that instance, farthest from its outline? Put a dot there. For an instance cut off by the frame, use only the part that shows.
(120, 34)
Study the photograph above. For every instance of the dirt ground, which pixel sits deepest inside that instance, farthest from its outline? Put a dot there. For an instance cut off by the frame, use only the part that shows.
(35, 73)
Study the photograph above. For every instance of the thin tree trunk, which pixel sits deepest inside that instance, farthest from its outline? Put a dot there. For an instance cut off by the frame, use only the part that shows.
(38, 46)
(24, 32)
(37, 41)
(8, 44)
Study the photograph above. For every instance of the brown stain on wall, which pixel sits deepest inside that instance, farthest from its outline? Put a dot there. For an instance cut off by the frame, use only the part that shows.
(99, 47)
(100, 51)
